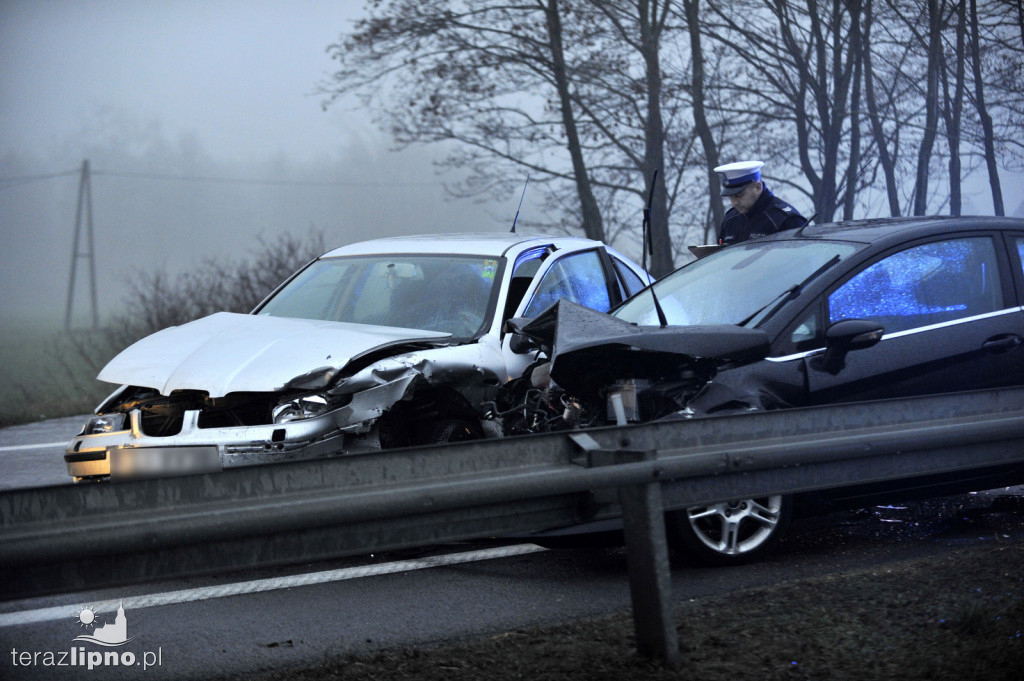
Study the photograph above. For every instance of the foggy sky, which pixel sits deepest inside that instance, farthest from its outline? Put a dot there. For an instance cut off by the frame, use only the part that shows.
(212, 91)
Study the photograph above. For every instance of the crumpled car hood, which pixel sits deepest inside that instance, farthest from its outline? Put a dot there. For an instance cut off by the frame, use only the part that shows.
(229, 352)
(588, 348)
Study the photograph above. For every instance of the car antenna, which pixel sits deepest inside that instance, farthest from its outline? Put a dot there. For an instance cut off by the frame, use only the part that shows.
(513, 230)
(648, 245)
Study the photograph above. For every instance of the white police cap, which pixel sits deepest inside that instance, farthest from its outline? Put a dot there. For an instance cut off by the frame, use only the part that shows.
(736, 176)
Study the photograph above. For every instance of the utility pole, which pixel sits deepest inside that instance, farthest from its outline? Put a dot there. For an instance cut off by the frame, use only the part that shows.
(84, 203)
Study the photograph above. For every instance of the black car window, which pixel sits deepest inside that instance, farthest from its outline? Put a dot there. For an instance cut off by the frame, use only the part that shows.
(579, 278)
(806, 333)
(927, 284)
(527, 266)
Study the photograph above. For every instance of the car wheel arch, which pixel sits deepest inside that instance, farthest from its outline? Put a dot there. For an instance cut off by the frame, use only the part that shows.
(414, 419)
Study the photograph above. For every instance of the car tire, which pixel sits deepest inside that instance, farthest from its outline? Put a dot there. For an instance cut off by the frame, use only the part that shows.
(446, 431)
(729, 533)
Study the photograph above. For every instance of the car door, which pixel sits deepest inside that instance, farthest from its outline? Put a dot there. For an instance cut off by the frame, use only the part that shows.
(951, 323)
(580, 277)
(584, 277)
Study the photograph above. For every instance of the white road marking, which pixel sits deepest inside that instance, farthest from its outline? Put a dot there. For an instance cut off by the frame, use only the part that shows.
(45, 445)
(23, 617)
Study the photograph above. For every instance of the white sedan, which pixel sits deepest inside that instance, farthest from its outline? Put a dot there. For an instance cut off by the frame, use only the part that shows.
(378, 344)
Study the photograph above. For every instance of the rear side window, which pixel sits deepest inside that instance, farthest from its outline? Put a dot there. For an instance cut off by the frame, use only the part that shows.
(928, 284)
(630, 282)
(579, 278)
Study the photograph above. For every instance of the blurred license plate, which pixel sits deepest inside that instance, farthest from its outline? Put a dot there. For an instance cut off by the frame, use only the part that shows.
(128, 463)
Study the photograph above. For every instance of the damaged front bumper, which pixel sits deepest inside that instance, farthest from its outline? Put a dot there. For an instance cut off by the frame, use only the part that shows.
(123, 450)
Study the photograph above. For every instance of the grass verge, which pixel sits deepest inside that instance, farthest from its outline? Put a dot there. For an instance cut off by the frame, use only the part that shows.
(956, 616)
(47, 372)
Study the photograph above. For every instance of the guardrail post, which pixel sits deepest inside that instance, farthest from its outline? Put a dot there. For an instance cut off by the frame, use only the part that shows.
(650, 582)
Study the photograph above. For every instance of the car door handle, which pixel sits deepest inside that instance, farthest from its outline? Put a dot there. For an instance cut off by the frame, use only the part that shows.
(1001, 343)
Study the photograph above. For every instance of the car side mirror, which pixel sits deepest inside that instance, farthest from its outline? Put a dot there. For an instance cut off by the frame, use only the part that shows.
(846, 336)
(521, 345)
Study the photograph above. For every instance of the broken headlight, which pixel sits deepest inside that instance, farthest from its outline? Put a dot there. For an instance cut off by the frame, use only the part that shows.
(301, 408)
(108, 423)
(313, 380)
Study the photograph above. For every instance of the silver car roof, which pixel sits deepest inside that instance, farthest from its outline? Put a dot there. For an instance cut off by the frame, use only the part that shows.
(488, 244)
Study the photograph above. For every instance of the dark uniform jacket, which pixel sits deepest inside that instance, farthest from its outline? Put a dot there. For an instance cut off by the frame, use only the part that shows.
(768, 215)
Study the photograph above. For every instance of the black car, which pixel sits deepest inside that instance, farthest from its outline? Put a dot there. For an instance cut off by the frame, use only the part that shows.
(824, 314)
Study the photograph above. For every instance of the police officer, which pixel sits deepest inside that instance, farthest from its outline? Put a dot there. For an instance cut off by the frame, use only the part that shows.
(755, 210)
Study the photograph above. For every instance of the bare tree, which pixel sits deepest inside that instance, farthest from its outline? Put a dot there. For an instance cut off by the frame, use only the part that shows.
(952, 110)
(158, 300)
(800, 71)
(574, 92)
(853, 169)
(983, 114)
(593, 224)
(881, 110)
(933, 21)
(489, 76)
(702, 126)
(940, 40)
(857, 104)
(640, 24)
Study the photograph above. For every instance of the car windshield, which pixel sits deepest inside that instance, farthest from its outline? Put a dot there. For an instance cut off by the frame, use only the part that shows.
(448, 293)
(741, 284)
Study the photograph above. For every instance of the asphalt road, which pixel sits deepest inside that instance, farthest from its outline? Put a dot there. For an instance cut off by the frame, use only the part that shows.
(32, 455)
(238, 624)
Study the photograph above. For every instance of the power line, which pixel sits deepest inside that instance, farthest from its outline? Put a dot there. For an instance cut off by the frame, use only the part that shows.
(251, 181)
(22, 180)
(17, 181)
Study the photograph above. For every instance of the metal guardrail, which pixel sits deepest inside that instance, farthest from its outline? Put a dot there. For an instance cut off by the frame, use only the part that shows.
(86, 536)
